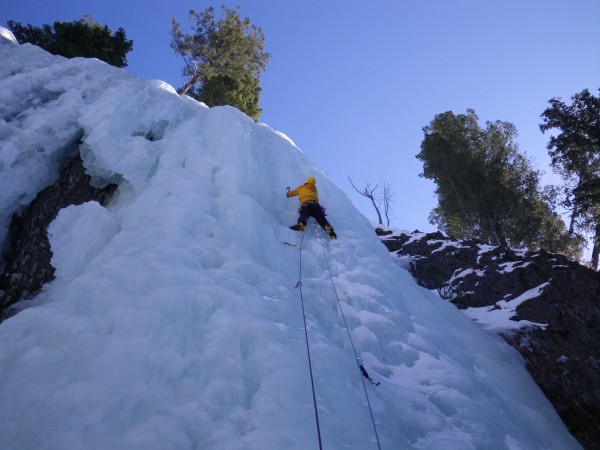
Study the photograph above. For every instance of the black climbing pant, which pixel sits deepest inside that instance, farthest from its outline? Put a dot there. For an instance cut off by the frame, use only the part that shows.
(315, 210)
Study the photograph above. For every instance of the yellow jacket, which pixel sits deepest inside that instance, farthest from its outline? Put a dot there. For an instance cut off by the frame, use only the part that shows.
(306, 193)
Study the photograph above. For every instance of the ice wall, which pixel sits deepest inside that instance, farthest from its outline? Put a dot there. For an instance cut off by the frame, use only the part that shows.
(175, 322)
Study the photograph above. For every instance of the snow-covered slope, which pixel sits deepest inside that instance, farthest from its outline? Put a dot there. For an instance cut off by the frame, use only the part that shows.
(174, 321)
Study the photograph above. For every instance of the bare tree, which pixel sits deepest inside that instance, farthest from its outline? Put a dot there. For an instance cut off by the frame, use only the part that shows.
(377, 200)
(388, 196)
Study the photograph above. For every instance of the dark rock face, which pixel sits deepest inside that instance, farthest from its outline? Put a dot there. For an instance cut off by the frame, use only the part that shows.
(564, 356)
(25, 261)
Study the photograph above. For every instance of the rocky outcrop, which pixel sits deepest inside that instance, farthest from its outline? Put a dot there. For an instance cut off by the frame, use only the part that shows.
(556, 312)
(25, 262)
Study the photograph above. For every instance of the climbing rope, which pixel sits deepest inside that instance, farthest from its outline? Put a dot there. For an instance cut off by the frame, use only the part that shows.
(312, 381)
(361, 368)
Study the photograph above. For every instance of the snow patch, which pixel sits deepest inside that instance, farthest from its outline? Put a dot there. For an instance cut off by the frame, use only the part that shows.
(8, 35)
(499, 317)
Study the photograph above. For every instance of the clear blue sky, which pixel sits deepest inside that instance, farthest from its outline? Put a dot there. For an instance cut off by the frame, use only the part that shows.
(354, 82)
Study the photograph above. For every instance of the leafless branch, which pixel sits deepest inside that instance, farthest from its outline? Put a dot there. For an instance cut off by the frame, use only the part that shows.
(369, 192)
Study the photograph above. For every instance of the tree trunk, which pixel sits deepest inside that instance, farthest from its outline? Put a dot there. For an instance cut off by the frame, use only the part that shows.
(376, 210)
(596, 249)
(191, 82)
(572, 224)
(575, 208)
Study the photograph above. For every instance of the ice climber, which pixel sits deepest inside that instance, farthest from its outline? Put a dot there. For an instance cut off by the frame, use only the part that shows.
(309, 207)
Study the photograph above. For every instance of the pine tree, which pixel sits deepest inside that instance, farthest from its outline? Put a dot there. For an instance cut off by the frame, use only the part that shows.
(223, 59)
(575, 155)
(243, 93)
(84, 38)
(486, 189)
